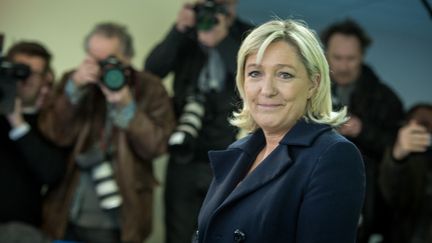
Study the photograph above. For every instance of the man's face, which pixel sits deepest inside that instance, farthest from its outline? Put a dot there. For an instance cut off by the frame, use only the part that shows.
(345, 58)
(101, 47)
(231, 6)
(28, 90)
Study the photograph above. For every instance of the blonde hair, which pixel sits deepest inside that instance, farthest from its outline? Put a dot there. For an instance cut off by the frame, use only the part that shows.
(297, 34)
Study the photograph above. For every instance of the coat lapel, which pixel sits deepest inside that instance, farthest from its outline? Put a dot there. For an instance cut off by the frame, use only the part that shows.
(230, 166)
(271, 168)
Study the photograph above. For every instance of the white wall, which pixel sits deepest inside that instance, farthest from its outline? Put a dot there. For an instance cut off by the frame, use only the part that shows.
(62, 25)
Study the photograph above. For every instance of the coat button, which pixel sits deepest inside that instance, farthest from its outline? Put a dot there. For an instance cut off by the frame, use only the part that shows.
(239, 236)
(196, 235)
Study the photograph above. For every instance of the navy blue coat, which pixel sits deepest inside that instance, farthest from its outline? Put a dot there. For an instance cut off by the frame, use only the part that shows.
(309, 189)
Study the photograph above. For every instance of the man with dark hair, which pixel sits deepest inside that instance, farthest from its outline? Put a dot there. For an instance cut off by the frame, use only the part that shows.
(375, 110)
(117, 120)
(29, 162)
(200, 50)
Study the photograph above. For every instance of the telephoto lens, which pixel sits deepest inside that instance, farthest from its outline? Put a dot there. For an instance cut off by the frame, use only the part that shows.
(189, 125)
(106, 186)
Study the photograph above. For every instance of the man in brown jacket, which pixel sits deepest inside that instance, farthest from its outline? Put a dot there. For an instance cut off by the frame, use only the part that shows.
(116, 121)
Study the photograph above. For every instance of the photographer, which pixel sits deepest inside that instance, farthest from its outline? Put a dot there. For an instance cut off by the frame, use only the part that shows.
(28, 160)
(117, 120)
(201, 50)
(406, 178)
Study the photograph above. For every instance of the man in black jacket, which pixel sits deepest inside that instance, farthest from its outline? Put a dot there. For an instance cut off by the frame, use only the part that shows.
(201, 50)
(406, 178)
(28, 161)
(375, 111)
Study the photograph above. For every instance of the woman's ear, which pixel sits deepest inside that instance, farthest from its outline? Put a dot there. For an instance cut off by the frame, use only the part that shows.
(314, 85)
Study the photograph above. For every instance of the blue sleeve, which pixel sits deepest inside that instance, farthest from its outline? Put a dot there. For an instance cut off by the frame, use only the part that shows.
(73, 93)
(334, 197)
(122, 117)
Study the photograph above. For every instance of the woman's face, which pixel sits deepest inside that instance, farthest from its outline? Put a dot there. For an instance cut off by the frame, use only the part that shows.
(277, 89)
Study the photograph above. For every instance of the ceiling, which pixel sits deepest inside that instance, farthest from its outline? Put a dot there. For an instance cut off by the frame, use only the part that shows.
(398, 17)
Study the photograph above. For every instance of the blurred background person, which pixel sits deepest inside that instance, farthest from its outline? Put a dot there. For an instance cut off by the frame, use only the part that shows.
(117, 120)
(29, 162)
(201, 50)
(406, 178)
(294, 178)
(375, 111)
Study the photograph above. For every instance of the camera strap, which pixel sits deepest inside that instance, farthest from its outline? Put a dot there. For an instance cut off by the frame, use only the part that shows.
(105, 141)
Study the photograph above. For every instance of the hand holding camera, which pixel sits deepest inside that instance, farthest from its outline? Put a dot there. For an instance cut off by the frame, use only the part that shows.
(16, 118)
(186, 18)
(87, 72)
(204, 16)
(216, 34)
(109, 74)
(412, 138)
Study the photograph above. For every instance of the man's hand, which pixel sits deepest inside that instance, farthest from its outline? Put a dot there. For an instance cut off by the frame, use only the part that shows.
(185, 18)
(87, 72)
(214, 36)
(16, 118)
(352, 127)
(119, 98)
(411, 138)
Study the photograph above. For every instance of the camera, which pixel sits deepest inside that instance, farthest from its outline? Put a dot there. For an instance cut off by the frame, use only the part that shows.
(102, 174)
(10, 73)
(206, 14)
(114, 73)
(189, 125)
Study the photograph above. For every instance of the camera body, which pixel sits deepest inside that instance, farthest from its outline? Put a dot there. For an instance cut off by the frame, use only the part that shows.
(10, 73)
(114, 73)
(183, 140)
(206, 14)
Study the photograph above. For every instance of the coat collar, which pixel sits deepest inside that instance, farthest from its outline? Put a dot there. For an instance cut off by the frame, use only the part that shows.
(303, 133)
(230, 166)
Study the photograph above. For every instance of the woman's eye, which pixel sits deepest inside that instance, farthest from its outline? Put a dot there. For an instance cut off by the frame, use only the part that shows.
(254, 74)
(285, 75)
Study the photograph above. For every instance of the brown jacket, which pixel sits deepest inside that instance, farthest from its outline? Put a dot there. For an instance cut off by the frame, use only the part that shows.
(79, 126)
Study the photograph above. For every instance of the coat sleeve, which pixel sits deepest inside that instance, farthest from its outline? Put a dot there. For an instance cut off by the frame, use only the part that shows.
(334, 197)
(402, 183)
(153, 122)
(163, 58)
(60, 122)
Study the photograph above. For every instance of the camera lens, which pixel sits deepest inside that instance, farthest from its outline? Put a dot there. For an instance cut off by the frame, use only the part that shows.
(190, 122)
(106, 186)
(114, 79)
(113, 73)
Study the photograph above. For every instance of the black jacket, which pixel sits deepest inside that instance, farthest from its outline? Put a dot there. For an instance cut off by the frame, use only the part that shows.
(182, 54)
(380, 111)
(26, 165)
(406, 188)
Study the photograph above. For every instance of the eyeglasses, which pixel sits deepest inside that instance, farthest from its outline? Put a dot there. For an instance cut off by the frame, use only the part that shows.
(36, 75)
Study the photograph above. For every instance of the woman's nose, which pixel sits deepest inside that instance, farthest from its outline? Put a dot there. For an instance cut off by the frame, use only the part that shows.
(269, 88)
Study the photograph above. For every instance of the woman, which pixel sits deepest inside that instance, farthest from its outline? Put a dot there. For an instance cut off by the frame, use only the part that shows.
(293, 179)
